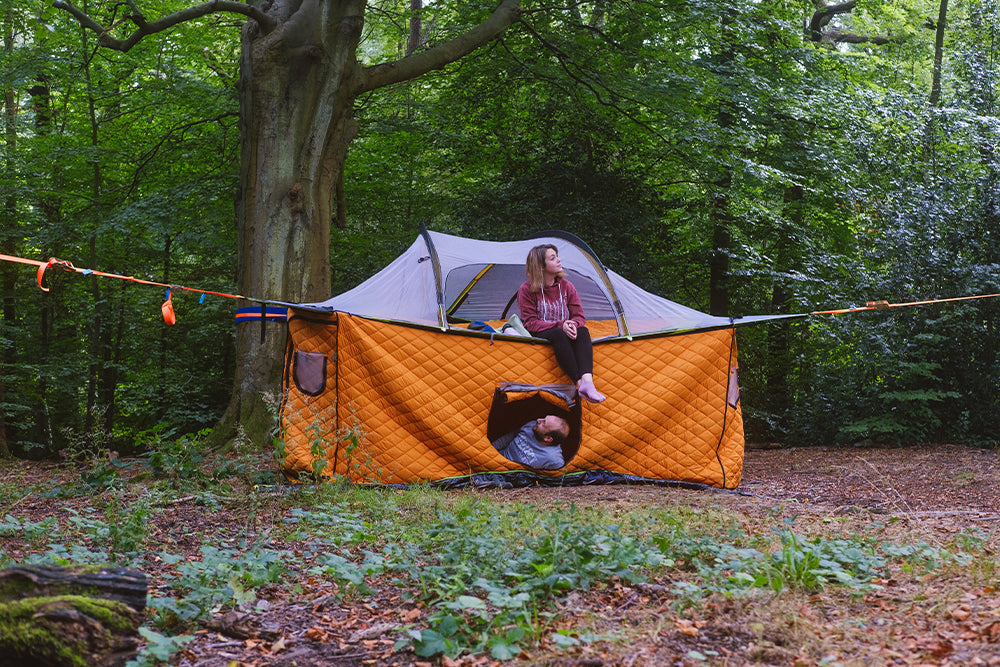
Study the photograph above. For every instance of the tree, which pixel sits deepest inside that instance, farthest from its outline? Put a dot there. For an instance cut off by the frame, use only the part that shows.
(300, 74)
(7, 216)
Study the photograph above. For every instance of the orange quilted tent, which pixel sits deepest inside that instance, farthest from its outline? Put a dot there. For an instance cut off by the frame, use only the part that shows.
(387, 383)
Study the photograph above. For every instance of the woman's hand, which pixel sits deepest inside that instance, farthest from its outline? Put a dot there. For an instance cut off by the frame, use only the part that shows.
(569, 326)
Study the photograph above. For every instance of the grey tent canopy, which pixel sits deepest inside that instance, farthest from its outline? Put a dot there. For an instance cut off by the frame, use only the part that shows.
(445, 281)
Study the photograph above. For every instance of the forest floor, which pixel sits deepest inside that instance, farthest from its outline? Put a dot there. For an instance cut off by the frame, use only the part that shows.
(930, 493)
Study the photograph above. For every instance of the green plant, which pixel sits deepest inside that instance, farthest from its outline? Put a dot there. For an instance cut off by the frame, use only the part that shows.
(88, 446)
(177, 460)
(338, 524)
(520, 578)
(360, 463)
(128, 524)
(158, 649)
(222, 577)
(59, 554)
(35, 532)
(124, 528)
(349, 572)
(811, 565)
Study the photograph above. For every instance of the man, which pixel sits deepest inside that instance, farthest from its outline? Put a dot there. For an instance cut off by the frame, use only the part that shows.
(537, 444)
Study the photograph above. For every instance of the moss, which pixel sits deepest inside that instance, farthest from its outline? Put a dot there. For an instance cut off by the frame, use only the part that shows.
(65, 630)
(117, 616)
(23, 637)
(16, 587)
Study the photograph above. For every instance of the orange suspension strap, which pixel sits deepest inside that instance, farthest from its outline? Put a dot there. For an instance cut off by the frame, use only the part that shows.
(168, 306)
(885, 305)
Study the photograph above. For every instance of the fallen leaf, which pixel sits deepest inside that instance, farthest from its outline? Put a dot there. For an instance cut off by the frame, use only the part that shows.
(318, 635)
(991, 632)
(278, 645)
(941, 649)
(960, 614)
(686, 627)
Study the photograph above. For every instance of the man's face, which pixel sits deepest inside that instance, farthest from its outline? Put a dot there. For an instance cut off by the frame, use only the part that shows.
(545, 425)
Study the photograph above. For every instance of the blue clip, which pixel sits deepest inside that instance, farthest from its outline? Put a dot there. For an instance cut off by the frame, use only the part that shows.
(479, 325)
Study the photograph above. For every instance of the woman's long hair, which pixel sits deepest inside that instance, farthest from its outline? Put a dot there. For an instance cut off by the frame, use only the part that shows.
(535, 266)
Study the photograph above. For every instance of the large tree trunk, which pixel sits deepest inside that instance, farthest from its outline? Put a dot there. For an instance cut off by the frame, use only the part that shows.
(298, 86)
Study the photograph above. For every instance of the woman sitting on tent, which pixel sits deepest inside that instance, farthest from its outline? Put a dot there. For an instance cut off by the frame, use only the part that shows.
(550, 309)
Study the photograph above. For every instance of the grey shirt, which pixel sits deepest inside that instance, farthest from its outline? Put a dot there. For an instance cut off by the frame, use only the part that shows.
(522, 447)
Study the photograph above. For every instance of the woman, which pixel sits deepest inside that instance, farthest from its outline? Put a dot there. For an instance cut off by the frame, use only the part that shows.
(550, 309)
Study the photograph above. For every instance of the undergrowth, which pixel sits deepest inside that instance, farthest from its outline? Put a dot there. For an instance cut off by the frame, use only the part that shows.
(490, 574)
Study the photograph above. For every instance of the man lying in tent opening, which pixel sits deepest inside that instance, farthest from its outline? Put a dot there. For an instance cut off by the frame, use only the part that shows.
(537, 444)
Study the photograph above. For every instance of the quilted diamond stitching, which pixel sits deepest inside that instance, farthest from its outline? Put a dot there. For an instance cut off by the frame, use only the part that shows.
(422, 398)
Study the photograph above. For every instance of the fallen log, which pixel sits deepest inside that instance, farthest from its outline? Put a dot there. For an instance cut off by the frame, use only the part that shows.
(81, 616)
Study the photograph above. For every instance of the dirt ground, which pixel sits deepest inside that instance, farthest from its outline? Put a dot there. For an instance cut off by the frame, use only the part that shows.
(948, 487)
(931, 480)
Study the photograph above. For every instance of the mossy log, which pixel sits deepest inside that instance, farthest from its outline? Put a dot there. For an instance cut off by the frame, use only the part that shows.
(86, 616)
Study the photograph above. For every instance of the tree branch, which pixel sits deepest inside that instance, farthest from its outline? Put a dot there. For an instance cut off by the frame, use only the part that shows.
(824, 13)
(144, 28)
(590, 83)
(436, 57)
(852, 38)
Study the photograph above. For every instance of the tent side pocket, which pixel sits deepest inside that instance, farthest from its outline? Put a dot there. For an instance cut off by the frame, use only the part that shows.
(309, 372)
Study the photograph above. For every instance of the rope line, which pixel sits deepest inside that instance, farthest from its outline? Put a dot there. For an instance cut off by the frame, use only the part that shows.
(54, 262)
(884, 305)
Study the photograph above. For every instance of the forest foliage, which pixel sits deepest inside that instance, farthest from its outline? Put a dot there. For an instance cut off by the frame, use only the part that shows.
(720, 154)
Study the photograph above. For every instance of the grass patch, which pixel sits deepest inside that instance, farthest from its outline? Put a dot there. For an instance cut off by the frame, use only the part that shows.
(488, 575)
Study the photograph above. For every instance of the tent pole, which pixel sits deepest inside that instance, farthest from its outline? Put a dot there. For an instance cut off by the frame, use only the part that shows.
(438, 283)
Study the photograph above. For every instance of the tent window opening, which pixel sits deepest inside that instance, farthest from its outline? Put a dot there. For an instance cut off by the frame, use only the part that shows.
(513, 414)
(488, 292)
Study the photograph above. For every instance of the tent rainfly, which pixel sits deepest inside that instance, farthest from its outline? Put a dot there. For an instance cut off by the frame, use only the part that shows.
(387, 382)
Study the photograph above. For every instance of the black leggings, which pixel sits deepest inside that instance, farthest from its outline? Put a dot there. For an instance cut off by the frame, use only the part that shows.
(574, 355)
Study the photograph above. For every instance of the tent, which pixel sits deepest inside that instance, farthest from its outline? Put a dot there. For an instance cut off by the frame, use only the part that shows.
(398, 380)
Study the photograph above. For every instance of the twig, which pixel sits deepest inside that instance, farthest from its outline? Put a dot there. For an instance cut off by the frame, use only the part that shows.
(16, 503)
(899, 496)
